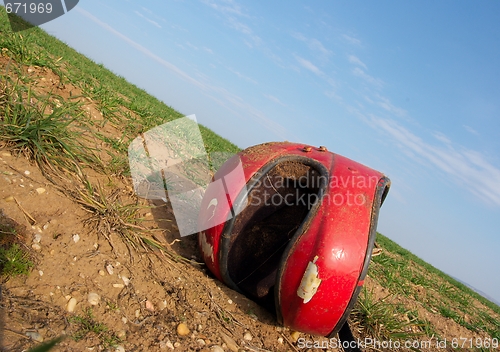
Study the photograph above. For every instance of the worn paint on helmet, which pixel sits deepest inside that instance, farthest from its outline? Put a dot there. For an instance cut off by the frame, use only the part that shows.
(206, 248)
(310, 282)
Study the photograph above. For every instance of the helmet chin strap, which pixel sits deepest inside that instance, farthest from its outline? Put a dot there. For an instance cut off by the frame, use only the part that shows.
(345, 335)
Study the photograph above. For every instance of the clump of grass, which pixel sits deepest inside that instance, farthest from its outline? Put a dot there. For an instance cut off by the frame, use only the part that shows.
(109, 215)
(86, 324)
(24, 49)
(378, 318)
(41, 129)
(14, 261)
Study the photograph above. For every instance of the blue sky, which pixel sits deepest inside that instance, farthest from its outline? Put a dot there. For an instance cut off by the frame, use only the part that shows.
(409, 89)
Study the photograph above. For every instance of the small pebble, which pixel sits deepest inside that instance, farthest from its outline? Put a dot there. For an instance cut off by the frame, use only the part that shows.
(118, 285)
(36, 247)
(93, 298)
(121, 334)
(182, 329)
(150, 306)
(126, 280)
(35, 336)
(101, 272)
(177, 344)
(40, 190)
(76, 238)
(253, 316)
(162, 305)
(216, 348)
(119, 348)
(37, 238)
(6, 154)
(200, 342)
(169, 344)
(294, 335)
(27, 172)
(110, 269)
(247, 336)
(280, 340)
(229, 341)
(9, 199)
(124, 320)
(230, 301)
(71, 305)
(40, 272)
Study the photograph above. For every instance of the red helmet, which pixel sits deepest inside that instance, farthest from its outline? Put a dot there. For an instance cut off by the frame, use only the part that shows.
(294, 232)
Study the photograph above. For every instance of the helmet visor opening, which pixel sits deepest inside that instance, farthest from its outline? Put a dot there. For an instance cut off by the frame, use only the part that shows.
(278, 203)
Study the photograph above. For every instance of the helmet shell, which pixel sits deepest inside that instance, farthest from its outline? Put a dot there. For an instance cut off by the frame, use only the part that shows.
(318, 270)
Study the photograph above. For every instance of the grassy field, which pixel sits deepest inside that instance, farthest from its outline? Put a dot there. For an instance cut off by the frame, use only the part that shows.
(51, 125)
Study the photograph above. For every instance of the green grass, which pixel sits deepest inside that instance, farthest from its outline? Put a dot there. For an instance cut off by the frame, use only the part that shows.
(14, 259)
(400, 271)
(86, 324)
(381, 319)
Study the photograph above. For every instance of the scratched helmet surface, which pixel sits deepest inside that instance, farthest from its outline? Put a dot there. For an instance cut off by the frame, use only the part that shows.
(294, 231)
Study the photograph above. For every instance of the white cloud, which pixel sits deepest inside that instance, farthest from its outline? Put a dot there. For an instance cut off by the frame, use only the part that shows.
(240, 75)
(333, 95)
(386, 104)
(356, 61)
(362, 74)
(351, 40)
(230, 10)
(153, 14)
(465, 167)
(255, 40)
(441, 137)
(225, 6)
(147, 19)
(275, 100)
(471, 130)
(308, 65)
(191, 46)
(313, 44)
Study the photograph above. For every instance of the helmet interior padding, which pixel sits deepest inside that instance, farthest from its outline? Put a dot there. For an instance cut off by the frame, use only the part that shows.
(277, 206)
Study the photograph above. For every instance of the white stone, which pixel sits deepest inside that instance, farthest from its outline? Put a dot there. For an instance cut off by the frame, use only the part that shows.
(93, 298)
(70, 307)
(110, 269)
